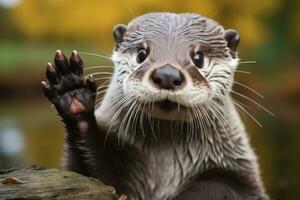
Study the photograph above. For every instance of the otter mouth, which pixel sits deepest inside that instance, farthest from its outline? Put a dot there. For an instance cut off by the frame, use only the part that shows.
(166, 105)
(168, 110)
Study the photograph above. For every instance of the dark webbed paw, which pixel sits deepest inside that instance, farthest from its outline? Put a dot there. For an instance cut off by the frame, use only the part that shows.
(66, 88)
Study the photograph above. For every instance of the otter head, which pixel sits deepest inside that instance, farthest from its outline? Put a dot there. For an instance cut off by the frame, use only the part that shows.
(171, 64)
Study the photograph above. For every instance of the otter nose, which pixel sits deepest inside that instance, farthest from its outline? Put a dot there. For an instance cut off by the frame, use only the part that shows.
(167, 77)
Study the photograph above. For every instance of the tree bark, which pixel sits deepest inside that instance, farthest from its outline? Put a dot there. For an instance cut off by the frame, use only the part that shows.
(40, 183)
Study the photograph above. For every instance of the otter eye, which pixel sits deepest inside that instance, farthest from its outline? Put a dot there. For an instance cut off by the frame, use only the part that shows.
(142, 55)
(198, 59)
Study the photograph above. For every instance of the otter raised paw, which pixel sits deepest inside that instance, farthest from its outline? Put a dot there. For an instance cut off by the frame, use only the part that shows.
(74, 99)
(65, 87)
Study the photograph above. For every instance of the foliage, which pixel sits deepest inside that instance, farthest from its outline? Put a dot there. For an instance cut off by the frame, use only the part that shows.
(93, 20)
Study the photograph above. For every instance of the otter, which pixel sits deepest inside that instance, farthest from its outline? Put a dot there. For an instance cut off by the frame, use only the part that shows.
(167, 128)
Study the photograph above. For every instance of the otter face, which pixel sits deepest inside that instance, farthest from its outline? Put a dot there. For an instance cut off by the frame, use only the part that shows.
(171, 63)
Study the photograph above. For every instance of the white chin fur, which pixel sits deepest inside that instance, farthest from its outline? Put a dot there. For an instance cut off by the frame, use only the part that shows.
(189, 96)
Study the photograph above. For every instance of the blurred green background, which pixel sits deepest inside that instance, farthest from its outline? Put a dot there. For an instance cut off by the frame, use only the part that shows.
(31, 31)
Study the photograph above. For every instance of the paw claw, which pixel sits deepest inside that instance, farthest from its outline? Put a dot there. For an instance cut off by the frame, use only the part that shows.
(44, 84)
(76, 63)
(51, 74)
(91, 83)
(58, 53)
(47, 90)
(61, 62)
(74, 53)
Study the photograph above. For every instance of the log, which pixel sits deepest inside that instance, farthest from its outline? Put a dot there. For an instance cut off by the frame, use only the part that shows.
(36, 183)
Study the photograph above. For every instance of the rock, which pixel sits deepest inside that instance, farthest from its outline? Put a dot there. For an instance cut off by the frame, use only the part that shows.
(41, 183)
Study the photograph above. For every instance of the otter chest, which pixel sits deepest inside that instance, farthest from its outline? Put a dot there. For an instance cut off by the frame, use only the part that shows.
(163, 169)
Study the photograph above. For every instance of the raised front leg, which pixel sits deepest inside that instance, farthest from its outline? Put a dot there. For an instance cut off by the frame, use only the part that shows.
(74, 100)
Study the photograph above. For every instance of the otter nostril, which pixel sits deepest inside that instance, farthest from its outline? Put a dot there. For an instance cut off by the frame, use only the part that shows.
(177, 82)
(157, 81)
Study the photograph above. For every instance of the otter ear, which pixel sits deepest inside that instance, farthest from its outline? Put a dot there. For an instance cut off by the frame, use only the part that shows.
(233, 39)
(118, 32)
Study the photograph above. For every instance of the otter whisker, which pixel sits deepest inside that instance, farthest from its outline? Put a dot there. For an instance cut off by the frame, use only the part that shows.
(152, 105)
(199, 124)
(136, 116)
(142, 117)
(251, 89)
(130, 11)
(241, 107)
(98, 102)
(94, 54)
(197, 120)
(204, 123)
(132, 118)
(103, 78)
(209, 121)
(120, 100)
(242, 71)
(192, 129)
(102, 91)
(101, 73)
(135, 113)
(105, 82)
(246, 97)
(99, 99)
(121, 103)
(102, 86)
(242, 104)
(151, 127)
(236, 82)
(128, 118)
(247, 62)
(98, 67)
(247, 112)
(122, 127)
(139, 116)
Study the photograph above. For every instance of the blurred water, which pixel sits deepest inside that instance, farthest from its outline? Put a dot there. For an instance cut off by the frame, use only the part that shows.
(11, 139)
(29, 135)
(11, 144)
